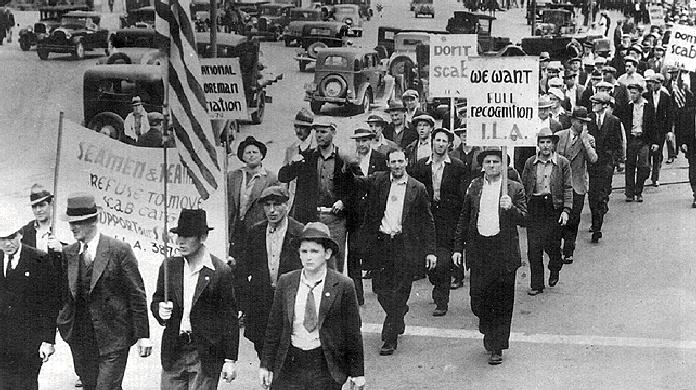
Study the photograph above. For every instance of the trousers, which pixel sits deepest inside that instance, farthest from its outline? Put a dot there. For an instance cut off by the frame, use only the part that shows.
(638, 165)
(337, 229)
(569, 232)
(305, 370)
(440, 278)
(186, 372)
(599, 191)
(392, 283)
(543, 235)
(20, 375)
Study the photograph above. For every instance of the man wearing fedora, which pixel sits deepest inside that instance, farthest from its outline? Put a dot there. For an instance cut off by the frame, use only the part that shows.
(399, 131)
(487, 229)
(578, 146)
(244, 186)
(422, 147)
(29, 303)
(658, 97)
(136, 122)
(269, 254)
(548, 187)
(201, 335)
(522, 153)
(104, 308)
(444, 179)
(322, 185)
(572, 90)
(380, 143)
(313, 338)
(38, 233)
(306, 140)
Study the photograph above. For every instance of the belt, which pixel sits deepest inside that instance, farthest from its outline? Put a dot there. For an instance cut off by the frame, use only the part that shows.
(542, 197)
(389, 236)
(186, 337)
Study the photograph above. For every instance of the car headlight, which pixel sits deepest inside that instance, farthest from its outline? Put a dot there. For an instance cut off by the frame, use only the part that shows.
(348, 21)
(333, 88)
(68, 35)
(30, 29)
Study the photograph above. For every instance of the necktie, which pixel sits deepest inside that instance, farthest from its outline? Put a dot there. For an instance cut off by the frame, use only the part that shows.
(310, 318)
(86, 256)
(9, 266)
(599, 122)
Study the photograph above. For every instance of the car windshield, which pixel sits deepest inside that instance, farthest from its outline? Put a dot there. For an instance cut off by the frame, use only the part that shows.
(75, 23)
(345, 9)
(326, 31)
(422, 1)
(120, 89)
(120, 40)
(271, 11)
(304, 15)
(336, 62)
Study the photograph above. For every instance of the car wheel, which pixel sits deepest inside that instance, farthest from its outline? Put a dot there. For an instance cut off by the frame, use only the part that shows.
(43, 53)
(367, 102)
(316, 107)
(288, 42)
(24, 44)
(79, 52)
(108, 123)
(257, 116)
(303, 65)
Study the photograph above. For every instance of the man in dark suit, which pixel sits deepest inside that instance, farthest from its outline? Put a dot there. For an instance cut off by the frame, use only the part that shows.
(606, 129)
(104, 304)
(572, 90)
(398, 130)
(269, 254)
(313, 339)
(663, 114)
(590, 89)
(369, 161)
(403, 235)
(487, 227)
(444, 179)
(29, 303)
(195, 302)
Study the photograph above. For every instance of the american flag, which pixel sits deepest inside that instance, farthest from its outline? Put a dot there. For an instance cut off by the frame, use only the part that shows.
(195, 139)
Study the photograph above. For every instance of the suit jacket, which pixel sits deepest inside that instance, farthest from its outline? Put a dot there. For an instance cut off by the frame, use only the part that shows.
(29, 238)
(651, 135)
(338, 325)
(467, 227)
(579, 90)
(663, 113)
(254, 213)
(452, 190)
(608, 140)
(117, 304)
(290, 152)
(357, 200)
(213, 315)
(410, 135)
(561, 182)
(579, 153)
(306, 199)
(684, 126)
(29, 303)
(255, 293)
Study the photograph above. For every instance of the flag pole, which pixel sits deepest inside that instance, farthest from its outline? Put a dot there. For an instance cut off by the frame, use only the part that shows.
(504, 170)
(56, 171)
(165, 131)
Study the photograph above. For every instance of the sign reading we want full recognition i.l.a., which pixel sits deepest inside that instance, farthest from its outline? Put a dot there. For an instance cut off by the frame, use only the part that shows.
(503, 99)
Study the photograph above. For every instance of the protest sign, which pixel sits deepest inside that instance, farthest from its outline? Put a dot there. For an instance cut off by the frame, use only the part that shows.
(681, 49)
(128, 184)
(449, 54)
(502, 101)
(224, 89)
(657, 15)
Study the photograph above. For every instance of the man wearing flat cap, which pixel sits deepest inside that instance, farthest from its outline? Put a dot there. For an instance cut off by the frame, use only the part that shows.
(104, 304)
(631, 75)
(380, 143)
(658, 97)
(305, 140)
(410, 98)
(422, 147)
(200, 341)
(399, 131)
(136, 123)
(244, 186)
(29, 303)
(313, 339)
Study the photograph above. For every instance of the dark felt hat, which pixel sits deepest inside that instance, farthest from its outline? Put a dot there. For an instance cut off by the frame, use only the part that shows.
(447, 132)
(362, 133)
(39, 194)
(317, 231)
(374, 118)
(635, 86)
(631, 60)
(191, 223)
(250, 140)
(81, 206)
(395, 106)
(489, 151)
(303, 118)
(579, 113)
(274, 192)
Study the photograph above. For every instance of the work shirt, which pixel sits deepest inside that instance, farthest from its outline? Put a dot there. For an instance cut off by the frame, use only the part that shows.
(437, 169)
(300, 337)
(190, 284)
(572, 94)
(627, 79)
(424, 149)
(391, 222)
(325, 172)
(274, 245)
(13, 264)
(489, 210)
(365, 162)
(543, 174)
(600, 120)
(248, 181)
(42, 233)
(91, 251)
(637, 125)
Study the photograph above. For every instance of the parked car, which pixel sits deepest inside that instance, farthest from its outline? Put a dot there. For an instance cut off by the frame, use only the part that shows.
(348, 14)
(347, 76)
(556, 22)
(465, 22)
(272, 20)
(78, 32)
(49, 19)
(298, 17)
(134, 46)
(143, 17)
(424, 7)
(320, 35)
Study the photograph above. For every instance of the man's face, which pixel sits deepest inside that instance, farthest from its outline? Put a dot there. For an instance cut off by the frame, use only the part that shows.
(569, 81)
(597, 107)
(363, 145)
(654, 86)
(424, 129)
(575, 65)
(137, 108)
(189, 245)
(313, 255)
(555, 100)
(397, 117)
(659, 54)
(553, 73)
(544, 113)
(545, 147)
(275, 210)
(81, 230)
(462, 137)
(630, 68)
(410, 102)
(42, 211)
(302, 132)
(397, 163)
(252, 156)
(440, 144)
(594, 80)
(11, 244)
(324, 136)
(608, 77)
(577, 125)
(376, 128)
(634, 94)
(492, 165)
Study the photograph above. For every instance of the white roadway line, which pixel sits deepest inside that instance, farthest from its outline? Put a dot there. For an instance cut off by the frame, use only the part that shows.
(543, 338)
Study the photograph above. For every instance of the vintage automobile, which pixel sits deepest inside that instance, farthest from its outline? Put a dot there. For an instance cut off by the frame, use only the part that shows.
(320, 35)
(348, 14)
(347, 76)
(424, 7)
(364, 5)
(465, 22)
(78, 32)
(134, 46)
(386, 36)
(49, 19)
(108, 89)
(143, 17)
(542, 5)
(556, 22)
(298, 17)
(404, 54)
(560, 48)
(272, 20)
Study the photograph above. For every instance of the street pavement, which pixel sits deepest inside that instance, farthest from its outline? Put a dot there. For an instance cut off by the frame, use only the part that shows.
(623, 316)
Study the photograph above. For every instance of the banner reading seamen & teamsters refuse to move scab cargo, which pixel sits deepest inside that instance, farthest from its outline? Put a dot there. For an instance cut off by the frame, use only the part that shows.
(128, 184)
(681, 49)
(502, 100)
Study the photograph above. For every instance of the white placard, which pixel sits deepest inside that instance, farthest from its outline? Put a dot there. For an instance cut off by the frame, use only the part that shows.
(657, 15)
(224, 89)
(503, 94)
(681, 48)
(449, 54)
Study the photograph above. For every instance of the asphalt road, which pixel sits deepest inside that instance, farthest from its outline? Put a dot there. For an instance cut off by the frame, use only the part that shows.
(622, 317)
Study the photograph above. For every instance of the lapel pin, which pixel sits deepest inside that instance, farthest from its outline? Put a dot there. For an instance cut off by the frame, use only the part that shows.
(207, 278)
(328, 294)
(26, 274)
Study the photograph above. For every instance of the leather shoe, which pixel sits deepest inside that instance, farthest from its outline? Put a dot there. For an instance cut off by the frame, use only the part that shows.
(78, 382)
(456, 284)
(387, 349)
(656, 183)
(495, 358)
(534, 292)
(595, 237)
(639, 198)
(553, 278)
(567, 259)
(629, 199)
(439, 312)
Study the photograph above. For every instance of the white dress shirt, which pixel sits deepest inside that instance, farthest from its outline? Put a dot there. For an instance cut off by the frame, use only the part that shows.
(391, 222)
(15, 260)
(42, 233)
(274, 245)
(91, 248)
(437, 171)
(190, 284)
(489, 214)
(300, 337)
(365, 162)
